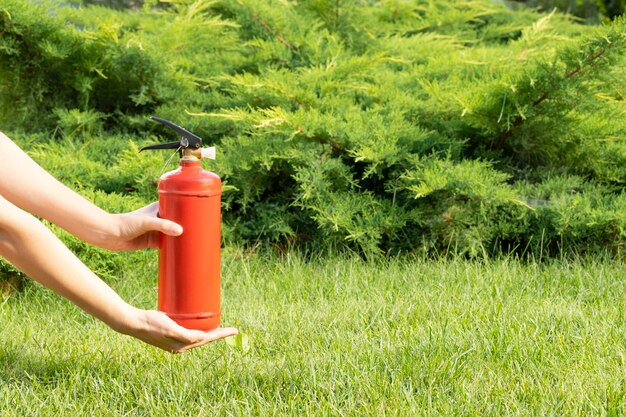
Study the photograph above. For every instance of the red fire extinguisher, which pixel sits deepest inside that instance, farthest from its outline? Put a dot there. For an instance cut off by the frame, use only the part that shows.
(189, 264)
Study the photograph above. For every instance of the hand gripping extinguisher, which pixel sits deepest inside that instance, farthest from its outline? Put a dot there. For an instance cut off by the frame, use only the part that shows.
(189, 264)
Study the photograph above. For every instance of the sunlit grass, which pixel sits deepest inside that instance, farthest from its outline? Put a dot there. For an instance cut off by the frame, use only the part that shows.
(339, 337)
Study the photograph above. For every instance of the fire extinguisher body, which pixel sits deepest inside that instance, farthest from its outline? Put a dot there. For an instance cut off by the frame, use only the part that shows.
(189, 264)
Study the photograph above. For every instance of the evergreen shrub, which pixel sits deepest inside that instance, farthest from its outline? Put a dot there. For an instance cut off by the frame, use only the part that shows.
(379, 127)
(590, 10)
(50, 69)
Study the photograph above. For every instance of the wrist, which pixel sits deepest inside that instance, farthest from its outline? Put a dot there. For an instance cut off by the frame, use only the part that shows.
(127, 320)
(105, 231)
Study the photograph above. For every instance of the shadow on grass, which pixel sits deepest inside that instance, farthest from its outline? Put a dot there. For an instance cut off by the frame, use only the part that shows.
(11, 283)
(17, 366)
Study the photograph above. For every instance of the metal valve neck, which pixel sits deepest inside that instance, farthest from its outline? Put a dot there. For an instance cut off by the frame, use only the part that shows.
(189, 154)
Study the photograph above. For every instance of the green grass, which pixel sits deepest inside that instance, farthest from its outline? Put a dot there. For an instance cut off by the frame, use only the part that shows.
(338, 337)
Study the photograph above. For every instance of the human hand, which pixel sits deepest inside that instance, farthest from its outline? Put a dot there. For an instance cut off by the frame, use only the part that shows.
(157, 329)
(139, 229)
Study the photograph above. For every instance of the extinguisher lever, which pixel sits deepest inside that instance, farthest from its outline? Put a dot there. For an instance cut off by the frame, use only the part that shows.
(169, 145)
(188, 139)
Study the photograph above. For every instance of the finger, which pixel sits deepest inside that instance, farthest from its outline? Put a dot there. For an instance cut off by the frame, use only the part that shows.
(151, 222)
(221, 333)
(195, 336)
(208, 337)
(167, 227)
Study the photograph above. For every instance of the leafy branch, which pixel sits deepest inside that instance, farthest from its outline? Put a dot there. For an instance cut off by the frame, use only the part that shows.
(591, 60)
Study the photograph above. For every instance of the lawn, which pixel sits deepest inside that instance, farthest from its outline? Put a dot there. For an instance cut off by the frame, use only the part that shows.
(338, 337)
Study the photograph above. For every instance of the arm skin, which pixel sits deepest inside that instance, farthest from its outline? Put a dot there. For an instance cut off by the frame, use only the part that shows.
(24, 183)
(34, 249)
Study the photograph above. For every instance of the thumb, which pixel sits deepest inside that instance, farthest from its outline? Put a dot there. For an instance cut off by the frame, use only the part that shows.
(167, 227)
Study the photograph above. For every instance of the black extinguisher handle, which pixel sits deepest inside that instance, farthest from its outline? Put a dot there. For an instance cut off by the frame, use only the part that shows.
(187, 140)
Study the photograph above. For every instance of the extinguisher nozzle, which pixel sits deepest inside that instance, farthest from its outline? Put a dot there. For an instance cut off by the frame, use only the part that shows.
(208, 152)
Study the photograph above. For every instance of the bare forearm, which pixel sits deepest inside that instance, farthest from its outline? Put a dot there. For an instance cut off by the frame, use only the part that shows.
(35, 250)
(27, 185)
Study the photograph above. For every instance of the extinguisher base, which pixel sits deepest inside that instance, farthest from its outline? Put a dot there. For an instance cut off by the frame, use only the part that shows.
(204, 322)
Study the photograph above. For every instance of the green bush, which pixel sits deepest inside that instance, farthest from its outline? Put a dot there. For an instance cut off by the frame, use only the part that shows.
(383, 128)
(590, 10)
(49, 67)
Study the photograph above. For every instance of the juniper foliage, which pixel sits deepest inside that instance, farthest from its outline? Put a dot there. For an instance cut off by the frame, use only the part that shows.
(381, 127)
(590, 10)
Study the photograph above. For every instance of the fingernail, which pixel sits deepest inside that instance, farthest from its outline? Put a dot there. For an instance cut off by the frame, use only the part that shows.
(177, 229)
